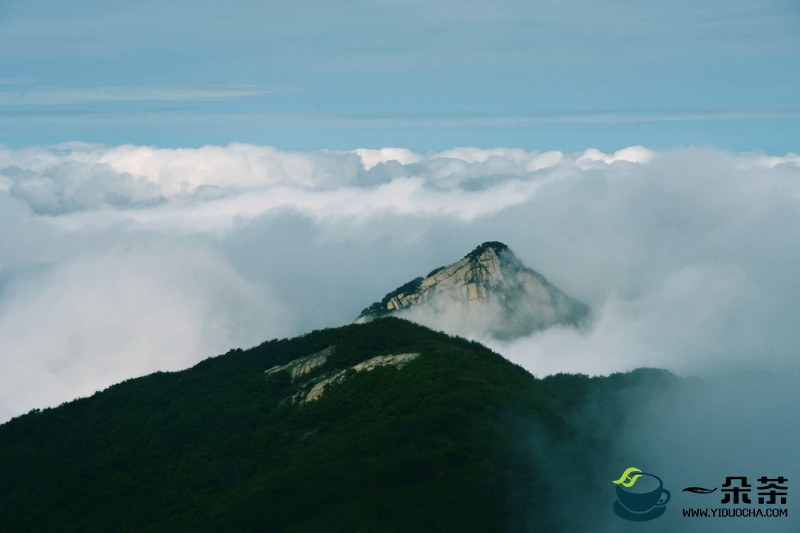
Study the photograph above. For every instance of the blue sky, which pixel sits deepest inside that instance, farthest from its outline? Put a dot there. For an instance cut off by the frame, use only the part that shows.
(424, 75)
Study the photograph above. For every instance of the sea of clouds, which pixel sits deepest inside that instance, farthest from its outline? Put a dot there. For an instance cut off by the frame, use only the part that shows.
(119, 261)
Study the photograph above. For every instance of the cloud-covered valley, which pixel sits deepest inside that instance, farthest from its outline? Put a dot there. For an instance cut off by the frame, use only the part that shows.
(120, 261)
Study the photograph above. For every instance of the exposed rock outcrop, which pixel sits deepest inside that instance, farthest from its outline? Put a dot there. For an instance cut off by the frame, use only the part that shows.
(304, 365)
(488, 292)
(313, 388)
(399, 361)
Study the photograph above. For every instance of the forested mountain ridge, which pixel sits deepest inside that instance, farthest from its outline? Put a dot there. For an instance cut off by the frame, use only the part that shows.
(442, 442)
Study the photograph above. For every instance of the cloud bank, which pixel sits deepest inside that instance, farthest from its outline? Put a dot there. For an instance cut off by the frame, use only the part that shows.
(119, 261)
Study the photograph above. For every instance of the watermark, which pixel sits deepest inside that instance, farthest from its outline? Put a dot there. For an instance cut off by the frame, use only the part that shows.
(641, 496)
(722, 512)
(738, 497)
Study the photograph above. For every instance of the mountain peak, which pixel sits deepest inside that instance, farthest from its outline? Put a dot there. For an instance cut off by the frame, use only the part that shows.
(487, 292)
(495, 246)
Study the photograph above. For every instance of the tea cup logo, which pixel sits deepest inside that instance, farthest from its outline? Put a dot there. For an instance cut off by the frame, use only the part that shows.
(641, 496)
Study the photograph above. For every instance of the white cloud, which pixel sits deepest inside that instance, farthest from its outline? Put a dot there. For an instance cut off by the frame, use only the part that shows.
(118, 261)
(371, 158)
(105, 316)
(478, 155)
(632, 154)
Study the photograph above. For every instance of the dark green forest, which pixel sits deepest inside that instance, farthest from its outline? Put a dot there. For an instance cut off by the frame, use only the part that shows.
(458, 439)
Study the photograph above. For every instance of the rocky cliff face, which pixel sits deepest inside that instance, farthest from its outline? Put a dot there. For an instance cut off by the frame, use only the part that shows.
(488, 292)
(312, 388)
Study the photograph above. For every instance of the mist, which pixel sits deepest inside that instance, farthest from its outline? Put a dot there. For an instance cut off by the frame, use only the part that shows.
(693, 434)
(120, 261)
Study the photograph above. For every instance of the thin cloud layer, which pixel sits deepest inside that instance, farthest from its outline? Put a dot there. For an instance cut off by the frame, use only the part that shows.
(119, 261)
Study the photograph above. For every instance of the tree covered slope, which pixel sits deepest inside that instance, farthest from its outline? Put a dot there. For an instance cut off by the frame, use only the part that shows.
(443, 442)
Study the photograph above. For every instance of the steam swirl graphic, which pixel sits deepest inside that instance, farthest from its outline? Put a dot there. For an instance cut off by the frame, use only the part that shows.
(699, 490)
(626, 479)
